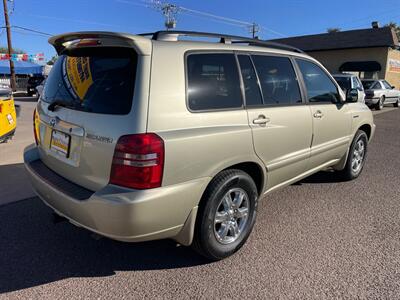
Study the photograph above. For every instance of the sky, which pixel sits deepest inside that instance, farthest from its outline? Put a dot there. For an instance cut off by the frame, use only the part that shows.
(282, 18)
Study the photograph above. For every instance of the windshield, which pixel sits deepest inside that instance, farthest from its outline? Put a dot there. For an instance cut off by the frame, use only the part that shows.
(97, 80)
(369, 84)
(344, 82)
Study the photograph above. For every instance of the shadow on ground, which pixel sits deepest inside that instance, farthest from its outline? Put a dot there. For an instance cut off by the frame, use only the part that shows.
(34, 251)
(322, 177)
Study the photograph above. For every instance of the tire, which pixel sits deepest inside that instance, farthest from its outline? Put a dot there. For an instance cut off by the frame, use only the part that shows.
(379, 105)
(396, 104)
(352, 169)
(216, 237)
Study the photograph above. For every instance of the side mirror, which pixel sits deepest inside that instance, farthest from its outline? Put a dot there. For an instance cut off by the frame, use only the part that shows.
(352, 95)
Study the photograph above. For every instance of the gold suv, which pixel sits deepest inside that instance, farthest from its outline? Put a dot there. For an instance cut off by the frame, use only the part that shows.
(153, 136)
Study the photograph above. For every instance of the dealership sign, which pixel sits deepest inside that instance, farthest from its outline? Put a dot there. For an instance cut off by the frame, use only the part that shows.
(22, 57)
(394, 65)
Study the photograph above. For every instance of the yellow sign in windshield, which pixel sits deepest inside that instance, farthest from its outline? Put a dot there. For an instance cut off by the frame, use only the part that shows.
(79, 75)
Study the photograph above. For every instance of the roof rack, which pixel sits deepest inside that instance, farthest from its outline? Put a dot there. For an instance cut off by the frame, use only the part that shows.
(224, 38)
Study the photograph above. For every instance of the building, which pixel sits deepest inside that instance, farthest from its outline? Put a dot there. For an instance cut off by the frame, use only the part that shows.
(370, 53)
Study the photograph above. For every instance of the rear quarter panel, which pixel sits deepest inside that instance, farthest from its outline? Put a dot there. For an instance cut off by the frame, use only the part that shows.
(7, 107)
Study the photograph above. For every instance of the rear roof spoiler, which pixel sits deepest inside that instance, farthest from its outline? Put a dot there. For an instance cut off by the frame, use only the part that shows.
(141, 44)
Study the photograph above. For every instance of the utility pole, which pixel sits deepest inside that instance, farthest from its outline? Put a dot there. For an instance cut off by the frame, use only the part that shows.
(10, 51)
(169, 11)
(254, 29)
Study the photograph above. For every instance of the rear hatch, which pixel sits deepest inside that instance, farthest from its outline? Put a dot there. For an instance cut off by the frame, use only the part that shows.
(88, 102)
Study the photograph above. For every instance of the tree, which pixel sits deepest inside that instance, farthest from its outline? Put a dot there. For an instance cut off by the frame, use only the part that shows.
(52, 60)
(15, 50)
(395, 27)
(333, 30)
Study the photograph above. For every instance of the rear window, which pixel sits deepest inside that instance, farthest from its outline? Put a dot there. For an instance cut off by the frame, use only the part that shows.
(96, 80)
(370, 85)
(213, 82)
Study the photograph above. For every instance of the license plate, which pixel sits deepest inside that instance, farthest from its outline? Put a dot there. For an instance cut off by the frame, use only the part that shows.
(60, 142)
(10, 119)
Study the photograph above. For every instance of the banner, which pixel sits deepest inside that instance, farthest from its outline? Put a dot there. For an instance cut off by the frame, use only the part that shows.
(394, 65)
(77, 74)
(22, 57)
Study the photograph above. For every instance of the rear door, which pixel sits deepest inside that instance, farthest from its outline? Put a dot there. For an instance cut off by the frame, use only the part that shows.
(280, 121)
(87, 104)
(331, 118)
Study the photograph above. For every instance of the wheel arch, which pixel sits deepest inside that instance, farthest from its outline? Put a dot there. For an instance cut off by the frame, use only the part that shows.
(367, 128)
(254, 170)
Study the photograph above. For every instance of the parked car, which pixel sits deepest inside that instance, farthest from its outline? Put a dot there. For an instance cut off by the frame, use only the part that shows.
(142, 138)
(380, 92)
(8, 116)
(33, 82)
(348, 82)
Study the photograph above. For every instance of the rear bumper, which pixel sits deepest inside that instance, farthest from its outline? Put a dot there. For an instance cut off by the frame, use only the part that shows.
(123, 214)
(7, 136)
(371, 101)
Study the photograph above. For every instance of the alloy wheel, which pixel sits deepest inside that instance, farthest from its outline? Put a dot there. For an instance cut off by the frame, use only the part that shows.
(231, 216)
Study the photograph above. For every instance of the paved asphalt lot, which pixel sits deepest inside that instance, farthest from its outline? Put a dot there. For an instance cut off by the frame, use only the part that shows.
(316, 239)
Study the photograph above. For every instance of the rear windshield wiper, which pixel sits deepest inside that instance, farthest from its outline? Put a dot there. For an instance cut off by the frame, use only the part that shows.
(58, 102)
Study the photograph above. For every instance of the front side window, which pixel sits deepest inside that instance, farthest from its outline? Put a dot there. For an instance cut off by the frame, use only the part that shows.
(278, 80)
(320, 87)
(387, 85)
(213, 82)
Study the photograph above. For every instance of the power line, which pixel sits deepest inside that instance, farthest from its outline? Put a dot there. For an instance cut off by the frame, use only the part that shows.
(32, 30)
(159, 5)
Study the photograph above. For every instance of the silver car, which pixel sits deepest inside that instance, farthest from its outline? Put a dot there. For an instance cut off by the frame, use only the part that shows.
(350, 81)
(380, 92)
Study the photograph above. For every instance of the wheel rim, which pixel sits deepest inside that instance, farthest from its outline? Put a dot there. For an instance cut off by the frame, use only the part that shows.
(381, 103)
(358, 156)
(231, 216)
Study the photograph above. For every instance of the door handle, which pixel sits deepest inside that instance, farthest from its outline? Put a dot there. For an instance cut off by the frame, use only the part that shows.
(261, 119)
(318, 114)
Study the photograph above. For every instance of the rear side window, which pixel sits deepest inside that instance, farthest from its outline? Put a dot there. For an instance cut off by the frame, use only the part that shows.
(251, 88)
(213, 82)
(370, 84)
(278, 80)
(320, 87)
(376, 86)
(96, 80)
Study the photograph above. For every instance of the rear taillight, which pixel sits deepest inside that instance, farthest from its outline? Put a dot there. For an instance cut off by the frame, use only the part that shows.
(138, 161)
(36, 126)
(369, 94)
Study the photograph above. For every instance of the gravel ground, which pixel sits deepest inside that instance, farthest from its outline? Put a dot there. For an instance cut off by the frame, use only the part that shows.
(317, 239)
